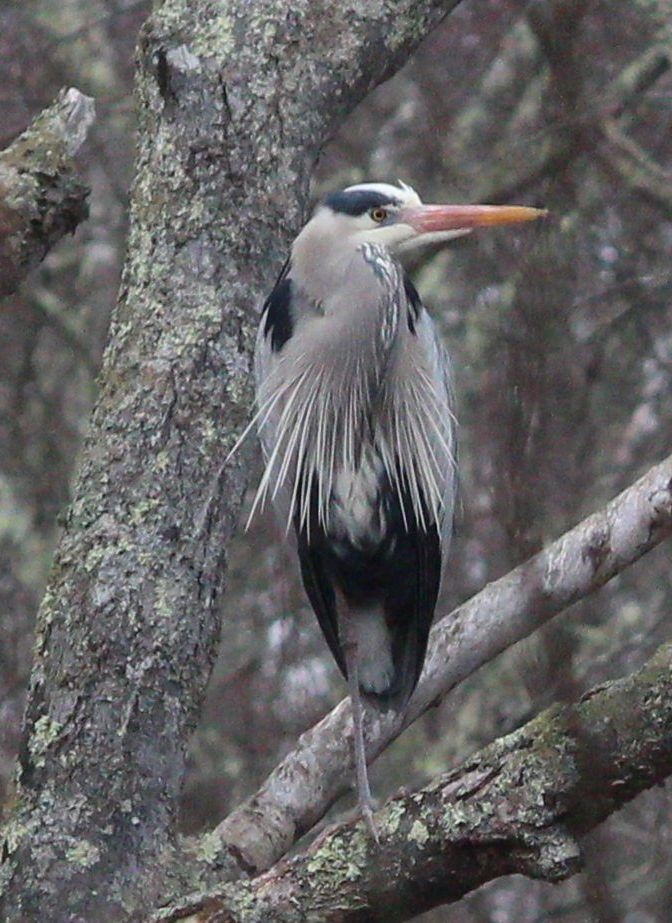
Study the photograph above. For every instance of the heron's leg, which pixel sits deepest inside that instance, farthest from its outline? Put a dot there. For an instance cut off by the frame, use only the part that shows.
(363, 788)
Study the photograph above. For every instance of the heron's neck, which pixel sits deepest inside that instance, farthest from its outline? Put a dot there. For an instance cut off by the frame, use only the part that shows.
(328, 259)
(318, 269)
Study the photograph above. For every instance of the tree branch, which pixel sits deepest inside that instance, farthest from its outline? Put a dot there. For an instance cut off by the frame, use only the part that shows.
(515, 807)
(319, 769)
(562, 139)
(42, 198)
(635, 167)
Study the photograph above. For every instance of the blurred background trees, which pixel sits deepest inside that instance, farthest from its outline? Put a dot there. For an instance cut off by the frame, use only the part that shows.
(562, 341)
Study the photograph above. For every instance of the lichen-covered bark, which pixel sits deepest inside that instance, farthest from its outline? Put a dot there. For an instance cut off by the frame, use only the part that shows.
(309, 778)
(515, 807)
(235, 100)
(42, 196)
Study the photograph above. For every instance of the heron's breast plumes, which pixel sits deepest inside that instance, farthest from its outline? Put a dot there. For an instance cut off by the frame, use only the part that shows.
(336, 426)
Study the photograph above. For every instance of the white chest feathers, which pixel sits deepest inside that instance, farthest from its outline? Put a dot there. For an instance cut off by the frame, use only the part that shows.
(357, 514)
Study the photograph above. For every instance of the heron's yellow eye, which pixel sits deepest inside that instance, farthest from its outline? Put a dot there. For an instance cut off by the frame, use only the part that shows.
(378, 214)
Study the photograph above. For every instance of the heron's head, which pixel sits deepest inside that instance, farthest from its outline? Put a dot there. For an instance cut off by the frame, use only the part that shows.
(395, 217)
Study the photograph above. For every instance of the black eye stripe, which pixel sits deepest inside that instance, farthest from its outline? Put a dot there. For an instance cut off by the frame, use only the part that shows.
(359, 201)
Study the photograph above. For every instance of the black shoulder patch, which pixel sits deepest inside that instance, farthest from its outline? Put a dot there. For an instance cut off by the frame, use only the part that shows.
(277, 309)
(357, 201)
(414, 303)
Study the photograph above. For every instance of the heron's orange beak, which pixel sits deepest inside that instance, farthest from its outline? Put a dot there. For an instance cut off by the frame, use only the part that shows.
(432, 218)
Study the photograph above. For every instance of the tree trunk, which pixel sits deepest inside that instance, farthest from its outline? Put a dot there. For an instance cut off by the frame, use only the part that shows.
(235, 101)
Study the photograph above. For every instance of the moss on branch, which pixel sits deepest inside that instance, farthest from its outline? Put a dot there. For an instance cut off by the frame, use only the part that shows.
(515, 807)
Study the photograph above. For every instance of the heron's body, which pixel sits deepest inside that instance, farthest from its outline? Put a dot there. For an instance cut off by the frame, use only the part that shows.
(369, 526)
(356, 421)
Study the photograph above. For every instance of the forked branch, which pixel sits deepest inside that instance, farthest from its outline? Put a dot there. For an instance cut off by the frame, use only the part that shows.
(515, 807)
(317, 771)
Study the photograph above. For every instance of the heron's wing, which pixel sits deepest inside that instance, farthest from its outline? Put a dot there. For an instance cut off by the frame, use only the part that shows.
(442, 437)
(320, 591)
(276, 324)
(275, 329)
(414, 569)
(423, 536)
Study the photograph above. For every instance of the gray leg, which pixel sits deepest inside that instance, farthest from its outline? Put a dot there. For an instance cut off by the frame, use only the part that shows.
(363, 789)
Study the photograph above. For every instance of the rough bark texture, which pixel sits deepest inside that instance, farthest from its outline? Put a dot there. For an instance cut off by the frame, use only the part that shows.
(515, 807)
(235, 100)
(320, 768)
(41, 195)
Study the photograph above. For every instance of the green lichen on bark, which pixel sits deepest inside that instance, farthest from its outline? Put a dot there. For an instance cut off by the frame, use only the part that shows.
(515, 807)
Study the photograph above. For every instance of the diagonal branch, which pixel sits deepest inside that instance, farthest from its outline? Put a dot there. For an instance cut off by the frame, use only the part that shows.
(515, 807)
(635, 167)
(42, 198)
(318, 770)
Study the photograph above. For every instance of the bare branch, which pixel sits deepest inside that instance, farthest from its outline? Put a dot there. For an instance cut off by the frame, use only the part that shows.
(562, 138)
(54, 312)
(318, 770)
(638, 77)
(635, 167)
(42, 198)
(515, 807)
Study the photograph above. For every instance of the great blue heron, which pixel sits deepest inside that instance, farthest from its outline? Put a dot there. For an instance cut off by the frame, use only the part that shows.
(356, 419)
